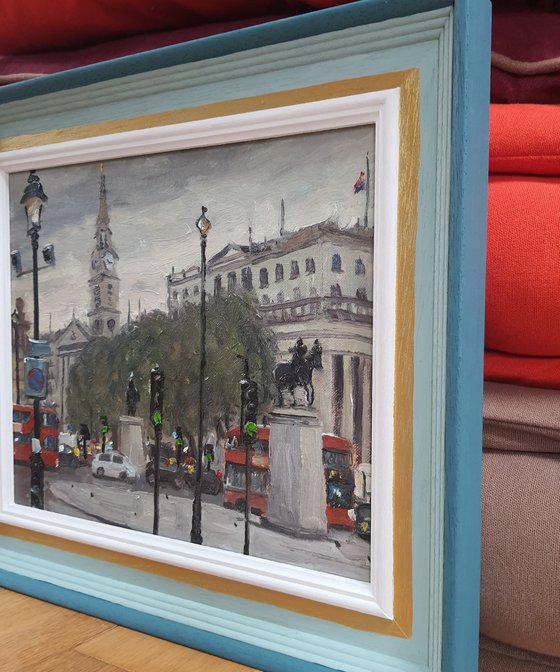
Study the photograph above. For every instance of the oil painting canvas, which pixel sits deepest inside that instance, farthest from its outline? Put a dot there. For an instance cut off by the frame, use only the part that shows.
(192, 345)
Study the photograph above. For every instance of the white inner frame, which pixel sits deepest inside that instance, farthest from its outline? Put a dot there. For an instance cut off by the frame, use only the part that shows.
(381, 108)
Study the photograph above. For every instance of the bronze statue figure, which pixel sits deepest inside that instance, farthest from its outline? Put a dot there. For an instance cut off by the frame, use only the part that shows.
(299, 371)
(132, 396)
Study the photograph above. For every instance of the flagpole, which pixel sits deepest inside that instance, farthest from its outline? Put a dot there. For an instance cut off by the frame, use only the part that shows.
(367, 193)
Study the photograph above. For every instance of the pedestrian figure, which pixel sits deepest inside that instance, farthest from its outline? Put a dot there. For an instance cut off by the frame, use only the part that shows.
(83, 437)
(208, 455)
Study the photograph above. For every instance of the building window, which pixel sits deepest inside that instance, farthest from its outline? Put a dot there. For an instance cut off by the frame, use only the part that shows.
(279, 272)
(263, 273)
(280, 297)
(297, 293)
(360, 267)
(217, 285)
(335, 290)
(310, 266)
(185, 292)
(294, 270)
(246, 278)
(361, 294)
(196, 290)
(336, 264)
(231, 281)
(313, 291)
(265, 300)
(175, 295)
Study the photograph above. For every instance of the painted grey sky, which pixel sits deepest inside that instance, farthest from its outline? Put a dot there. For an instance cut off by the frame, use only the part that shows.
(155, 200)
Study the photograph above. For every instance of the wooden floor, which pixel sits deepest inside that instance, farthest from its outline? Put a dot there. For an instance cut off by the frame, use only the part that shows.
(39, 637)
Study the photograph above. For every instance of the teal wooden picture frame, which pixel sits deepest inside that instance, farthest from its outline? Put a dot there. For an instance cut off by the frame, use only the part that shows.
(435, 57)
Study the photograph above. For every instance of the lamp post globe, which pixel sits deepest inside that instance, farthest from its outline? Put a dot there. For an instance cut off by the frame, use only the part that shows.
(33, 200)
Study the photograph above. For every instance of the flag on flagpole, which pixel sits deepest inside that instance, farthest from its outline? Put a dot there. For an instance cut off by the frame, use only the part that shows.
(360, 183)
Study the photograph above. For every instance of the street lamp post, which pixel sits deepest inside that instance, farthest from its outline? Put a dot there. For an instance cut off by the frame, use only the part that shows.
(203, 225)
(33, 200)
(15, 327)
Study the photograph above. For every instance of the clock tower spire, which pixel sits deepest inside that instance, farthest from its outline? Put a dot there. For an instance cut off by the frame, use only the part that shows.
(104, 315)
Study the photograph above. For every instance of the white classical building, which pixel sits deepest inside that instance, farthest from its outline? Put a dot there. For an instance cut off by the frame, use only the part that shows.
(314, 283)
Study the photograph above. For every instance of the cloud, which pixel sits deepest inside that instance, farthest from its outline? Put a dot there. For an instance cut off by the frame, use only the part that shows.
(154, 202)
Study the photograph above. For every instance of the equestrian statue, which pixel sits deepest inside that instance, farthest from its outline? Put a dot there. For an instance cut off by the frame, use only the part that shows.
(298, 372)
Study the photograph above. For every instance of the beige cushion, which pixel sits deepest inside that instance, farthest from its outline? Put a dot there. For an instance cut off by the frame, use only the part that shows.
(520, 590)
(521, 418)
(498, 657)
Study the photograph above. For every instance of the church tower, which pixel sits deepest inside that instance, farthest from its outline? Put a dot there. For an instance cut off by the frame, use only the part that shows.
(104, 316)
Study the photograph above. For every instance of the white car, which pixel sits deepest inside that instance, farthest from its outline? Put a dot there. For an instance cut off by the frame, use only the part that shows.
(113, 465)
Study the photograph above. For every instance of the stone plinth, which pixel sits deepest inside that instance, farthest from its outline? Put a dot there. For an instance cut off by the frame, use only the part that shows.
(131, 439)
(297, 499)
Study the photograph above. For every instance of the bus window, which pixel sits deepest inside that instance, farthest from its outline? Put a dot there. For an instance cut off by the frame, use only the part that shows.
(49, 420)
(22, 438)
(334, 458)
(50, 443)
(260, 482)
(21, 416)
(339, 495)
(235, 476)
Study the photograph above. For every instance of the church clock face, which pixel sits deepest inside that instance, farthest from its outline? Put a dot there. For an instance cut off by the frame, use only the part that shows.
(96, 263)
(108, 261)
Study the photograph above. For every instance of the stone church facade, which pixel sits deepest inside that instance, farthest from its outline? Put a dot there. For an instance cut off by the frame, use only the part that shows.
(104, 313)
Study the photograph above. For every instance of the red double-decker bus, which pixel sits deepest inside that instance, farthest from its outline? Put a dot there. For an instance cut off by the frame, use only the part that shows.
(23, 425)
(337, 463)
(234, 480)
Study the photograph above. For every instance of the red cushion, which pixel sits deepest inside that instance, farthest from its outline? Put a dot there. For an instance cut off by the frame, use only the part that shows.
(522, 370)
(523, 139)
(523, 269)
(29, 26)
(523, 263)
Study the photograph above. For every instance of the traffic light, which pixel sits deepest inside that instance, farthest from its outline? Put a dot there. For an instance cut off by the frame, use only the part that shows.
(179, 441)
(15, 258)
(250, 391)
(104, 424)
(48, 255)
(157, 380)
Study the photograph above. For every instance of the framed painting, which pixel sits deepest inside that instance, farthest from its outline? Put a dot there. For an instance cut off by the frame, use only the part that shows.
(240, 330)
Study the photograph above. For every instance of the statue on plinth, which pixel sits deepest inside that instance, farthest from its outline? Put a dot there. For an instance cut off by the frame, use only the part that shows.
(132, 396)
(298, 374)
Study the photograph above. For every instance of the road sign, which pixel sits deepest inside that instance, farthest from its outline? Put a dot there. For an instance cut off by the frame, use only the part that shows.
(36, 377)
(39, 348)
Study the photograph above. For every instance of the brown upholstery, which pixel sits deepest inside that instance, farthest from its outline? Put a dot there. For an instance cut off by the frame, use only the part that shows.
(498, 657)
(520, 590)
(521, 418)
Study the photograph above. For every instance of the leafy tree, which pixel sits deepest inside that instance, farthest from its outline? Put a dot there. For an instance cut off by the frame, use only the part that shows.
(97, 383)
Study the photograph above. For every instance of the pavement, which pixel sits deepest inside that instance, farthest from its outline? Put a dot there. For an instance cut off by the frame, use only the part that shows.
(342, 552)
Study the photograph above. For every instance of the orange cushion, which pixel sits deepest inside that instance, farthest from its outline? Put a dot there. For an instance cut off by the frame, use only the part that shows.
(523, 268)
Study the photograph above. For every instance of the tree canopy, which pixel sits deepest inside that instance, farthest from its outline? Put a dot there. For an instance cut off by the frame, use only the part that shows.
(98, 381)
